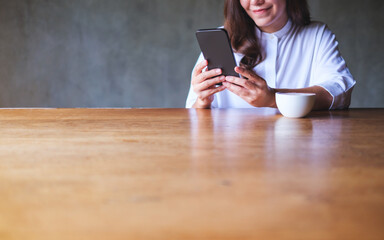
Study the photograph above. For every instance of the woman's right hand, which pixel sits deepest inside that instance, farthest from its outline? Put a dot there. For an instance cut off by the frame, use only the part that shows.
(203, 84)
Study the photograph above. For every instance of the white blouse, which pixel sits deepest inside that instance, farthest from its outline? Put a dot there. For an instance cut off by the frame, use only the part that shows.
(295, 59)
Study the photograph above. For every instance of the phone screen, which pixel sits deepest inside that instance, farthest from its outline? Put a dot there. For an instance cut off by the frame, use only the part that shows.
(217, 49)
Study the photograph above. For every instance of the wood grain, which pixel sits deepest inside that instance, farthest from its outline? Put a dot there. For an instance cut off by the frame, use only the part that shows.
(190, 174)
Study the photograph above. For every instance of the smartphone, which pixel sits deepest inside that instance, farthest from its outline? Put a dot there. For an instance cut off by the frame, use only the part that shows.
(216, 48)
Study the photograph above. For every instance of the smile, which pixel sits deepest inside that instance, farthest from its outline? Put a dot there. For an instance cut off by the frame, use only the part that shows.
(262, 10)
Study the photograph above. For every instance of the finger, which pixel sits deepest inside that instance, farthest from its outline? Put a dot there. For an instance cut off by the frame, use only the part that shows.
(238, 81)
(211, 91)
(209, 83)
(208, 74)
(238, 90)
(200, 67)
(249, 74)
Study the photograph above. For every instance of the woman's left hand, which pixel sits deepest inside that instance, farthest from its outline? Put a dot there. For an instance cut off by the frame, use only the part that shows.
(252, 88)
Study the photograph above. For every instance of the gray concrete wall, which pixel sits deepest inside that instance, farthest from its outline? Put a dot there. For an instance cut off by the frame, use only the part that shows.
(359, 28)
(136, 53)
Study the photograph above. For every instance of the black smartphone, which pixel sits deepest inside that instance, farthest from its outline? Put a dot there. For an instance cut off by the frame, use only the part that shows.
(216, 48)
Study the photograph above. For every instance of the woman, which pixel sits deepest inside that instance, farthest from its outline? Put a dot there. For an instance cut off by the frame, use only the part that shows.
(277, 49)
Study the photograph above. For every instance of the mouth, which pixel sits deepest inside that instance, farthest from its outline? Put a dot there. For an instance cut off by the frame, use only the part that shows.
(261, 10)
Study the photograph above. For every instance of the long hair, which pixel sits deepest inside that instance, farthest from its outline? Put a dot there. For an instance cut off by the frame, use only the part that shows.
(241, 28)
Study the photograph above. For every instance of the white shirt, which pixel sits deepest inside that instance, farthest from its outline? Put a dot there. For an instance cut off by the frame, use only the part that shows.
(295, 59)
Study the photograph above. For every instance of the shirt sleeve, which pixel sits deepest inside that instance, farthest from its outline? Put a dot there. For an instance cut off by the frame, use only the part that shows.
(331, 71)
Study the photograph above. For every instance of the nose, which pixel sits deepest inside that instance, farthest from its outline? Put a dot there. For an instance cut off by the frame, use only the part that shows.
(257, 2)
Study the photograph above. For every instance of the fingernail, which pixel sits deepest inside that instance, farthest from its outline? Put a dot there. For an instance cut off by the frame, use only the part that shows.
(218, 71)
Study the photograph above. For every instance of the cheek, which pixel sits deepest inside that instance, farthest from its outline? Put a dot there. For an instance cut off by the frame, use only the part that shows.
(244, 4)
(278, 2)
(281, 5)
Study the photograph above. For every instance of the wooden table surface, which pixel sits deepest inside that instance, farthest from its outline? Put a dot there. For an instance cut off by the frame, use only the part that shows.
(190, 174)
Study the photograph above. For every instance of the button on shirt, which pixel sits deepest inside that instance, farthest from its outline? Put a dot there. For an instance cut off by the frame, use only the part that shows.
(295, 58)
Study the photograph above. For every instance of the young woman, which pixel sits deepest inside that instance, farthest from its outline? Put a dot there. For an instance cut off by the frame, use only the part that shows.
(277, 49)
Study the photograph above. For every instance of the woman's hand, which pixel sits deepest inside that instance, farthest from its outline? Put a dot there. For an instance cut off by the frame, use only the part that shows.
(253, 89)
(203, 84)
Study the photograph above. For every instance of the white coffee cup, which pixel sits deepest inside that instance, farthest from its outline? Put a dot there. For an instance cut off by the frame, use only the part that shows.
(295, 105)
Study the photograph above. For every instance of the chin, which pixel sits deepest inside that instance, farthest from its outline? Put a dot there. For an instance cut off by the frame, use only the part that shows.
(262, 24)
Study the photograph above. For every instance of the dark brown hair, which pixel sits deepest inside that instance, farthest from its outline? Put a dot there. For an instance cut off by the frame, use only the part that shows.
(241, 28)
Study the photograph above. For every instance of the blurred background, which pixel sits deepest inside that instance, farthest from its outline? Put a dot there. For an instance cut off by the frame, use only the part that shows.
(136, 53)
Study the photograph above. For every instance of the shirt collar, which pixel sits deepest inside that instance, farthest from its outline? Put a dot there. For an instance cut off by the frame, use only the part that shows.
(279, 34)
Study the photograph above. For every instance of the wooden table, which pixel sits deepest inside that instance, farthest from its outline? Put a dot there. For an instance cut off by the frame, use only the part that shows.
(190, 174)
